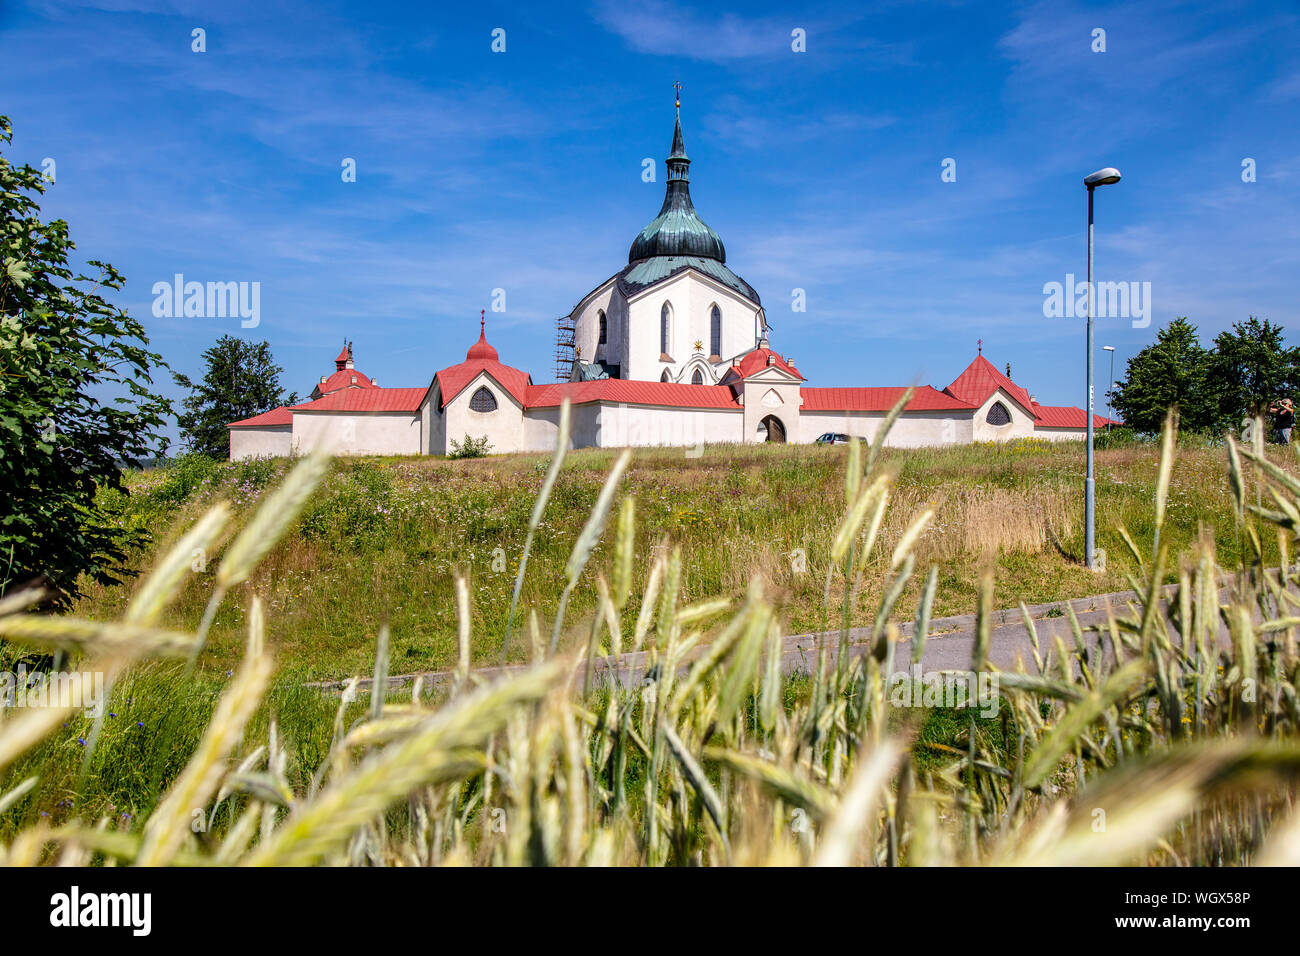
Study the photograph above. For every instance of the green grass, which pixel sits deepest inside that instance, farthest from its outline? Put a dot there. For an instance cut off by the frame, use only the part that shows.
(152, 723)
(157, 715)
(383, 538)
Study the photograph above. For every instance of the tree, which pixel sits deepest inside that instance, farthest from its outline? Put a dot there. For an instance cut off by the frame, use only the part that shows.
(60, 341)
(1171, 371)
(1249, 368)
(242, 380)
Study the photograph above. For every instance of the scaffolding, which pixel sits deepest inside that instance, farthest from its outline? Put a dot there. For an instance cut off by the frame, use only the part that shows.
(565, 351)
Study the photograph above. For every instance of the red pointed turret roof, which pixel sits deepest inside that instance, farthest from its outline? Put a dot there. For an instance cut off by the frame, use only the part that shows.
(981, 379)
(482, 358)
(481, 350)
(344, 378)
(757, 360)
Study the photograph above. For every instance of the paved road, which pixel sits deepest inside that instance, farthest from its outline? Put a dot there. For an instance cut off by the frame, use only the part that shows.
(948, 647)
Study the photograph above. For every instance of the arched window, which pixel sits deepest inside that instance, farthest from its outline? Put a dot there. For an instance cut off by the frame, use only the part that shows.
(483, 400)
(665, 377)
(697, 378)
(715, 331)
(998, 415)
(604, 328)
(665, 328)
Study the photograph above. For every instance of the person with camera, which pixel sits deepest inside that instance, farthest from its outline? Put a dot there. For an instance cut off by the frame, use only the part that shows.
(1283, 412)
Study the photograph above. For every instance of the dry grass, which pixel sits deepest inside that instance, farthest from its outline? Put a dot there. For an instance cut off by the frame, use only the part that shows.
(999, 520)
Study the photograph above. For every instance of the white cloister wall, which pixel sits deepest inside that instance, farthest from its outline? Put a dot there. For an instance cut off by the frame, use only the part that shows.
(357, 433)
(640, 426)
(268, 441)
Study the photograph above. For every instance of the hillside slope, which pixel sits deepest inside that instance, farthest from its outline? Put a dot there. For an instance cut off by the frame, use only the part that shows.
(383, 538)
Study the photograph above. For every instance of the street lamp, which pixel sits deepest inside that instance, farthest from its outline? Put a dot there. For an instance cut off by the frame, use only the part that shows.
(1110, 385)
(1102, 177)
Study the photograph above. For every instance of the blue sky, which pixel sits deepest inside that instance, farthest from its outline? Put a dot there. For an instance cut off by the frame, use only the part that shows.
(522, 170)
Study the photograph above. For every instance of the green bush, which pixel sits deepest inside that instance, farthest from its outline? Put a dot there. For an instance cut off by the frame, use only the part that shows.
(470, 447)
(1120, 438)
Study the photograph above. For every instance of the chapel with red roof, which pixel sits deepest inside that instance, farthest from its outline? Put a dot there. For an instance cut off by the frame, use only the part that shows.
(673, 349)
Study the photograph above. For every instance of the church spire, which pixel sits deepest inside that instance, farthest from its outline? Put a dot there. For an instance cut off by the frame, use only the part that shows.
(678, 162)
(678, 230)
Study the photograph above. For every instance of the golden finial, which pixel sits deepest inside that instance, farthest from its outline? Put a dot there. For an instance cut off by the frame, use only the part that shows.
(678, 87)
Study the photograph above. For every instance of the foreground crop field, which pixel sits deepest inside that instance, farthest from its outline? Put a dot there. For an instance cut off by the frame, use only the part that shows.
(384, 538)
(1179, 746)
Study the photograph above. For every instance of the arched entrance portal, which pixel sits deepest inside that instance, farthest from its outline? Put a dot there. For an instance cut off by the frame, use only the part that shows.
(775, 431)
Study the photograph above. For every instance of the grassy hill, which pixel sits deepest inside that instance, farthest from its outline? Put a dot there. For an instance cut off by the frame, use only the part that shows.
(383, 538)
(1189, 746)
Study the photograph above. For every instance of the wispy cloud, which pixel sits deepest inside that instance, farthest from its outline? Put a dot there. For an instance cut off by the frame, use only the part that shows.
(665, 28)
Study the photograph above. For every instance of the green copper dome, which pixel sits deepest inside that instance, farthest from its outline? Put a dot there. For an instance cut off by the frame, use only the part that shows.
(678, 230)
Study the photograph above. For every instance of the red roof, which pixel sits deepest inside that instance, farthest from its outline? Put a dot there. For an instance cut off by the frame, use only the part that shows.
(671, 394)
(757, 360)
(482, 357)
(372, 399)
(980, 380)
(481, 349)
(926, 399)
(343, 378)
(1066, 416)
(276, 416)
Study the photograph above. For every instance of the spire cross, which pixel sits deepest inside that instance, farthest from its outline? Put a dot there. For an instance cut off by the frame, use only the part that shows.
(979, 343)
(678, 87)
(482, 321)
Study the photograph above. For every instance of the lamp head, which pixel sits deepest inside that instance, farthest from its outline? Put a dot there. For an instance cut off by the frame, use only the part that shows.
(1102, 177)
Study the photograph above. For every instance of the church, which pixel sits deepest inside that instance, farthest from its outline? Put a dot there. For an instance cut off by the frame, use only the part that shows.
(672, 350)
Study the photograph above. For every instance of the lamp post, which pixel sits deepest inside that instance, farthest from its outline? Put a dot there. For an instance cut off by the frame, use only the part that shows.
(1102, 177)
(1110, 383)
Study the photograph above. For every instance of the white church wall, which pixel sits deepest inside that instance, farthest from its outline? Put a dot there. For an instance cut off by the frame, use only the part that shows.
(691, 298)
(504, 427)
(542, 427)
(1020, 426)
(812, 425)
(641, 426)
(1064, 434)
(271, 441)
(586, 330)
(929, 430)
(912, 430)
(433, 424)
(357, 433)
(771, 392)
